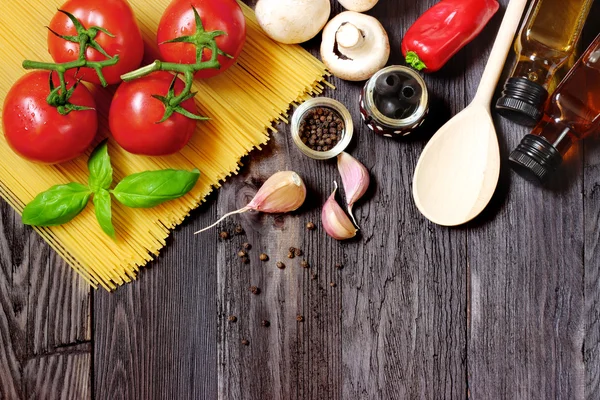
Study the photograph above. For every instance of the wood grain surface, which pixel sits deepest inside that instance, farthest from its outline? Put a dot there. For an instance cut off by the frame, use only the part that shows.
(506, 307)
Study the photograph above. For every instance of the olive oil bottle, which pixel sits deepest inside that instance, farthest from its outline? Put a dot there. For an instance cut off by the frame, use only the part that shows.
(546, 40)
(572, 113)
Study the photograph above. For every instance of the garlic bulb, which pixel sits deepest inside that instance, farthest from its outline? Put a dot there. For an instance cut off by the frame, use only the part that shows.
(335, 221)
(284, 191)
(355, 178)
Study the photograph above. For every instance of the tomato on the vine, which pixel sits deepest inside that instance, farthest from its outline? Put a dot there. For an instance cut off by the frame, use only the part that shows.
(116, 16)
(37, 131)
(178, 20)
(134, 116)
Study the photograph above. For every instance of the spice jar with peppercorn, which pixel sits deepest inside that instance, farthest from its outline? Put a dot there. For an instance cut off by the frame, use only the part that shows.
(322, 128)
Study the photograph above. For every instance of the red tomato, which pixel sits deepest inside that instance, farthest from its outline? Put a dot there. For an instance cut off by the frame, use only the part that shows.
(178, 20)
(134, 114)
(37, 131)
(117, 17)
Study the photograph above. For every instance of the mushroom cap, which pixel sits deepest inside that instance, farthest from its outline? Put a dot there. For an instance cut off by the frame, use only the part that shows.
(292, 21)
(358, 5)
(358, 62)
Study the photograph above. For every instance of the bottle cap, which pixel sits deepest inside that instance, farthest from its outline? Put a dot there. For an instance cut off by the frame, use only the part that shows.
(535, 159)
(522, 101)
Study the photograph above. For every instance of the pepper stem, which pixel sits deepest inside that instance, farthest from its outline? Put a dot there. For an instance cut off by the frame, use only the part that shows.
(414, 61)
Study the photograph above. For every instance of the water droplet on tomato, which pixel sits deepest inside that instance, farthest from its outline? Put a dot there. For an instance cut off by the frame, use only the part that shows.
(70, 52)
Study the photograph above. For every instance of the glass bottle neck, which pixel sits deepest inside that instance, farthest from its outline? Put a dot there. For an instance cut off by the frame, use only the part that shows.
(558, 134)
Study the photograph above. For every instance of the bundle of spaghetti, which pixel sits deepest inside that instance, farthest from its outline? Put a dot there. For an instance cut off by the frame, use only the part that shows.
(242, 104)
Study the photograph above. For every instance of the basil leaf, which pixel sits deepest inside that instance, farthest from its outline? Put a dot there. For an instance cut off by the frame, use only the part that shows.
(57, 205)
(102, 207)
(101, 172)
(151, 188)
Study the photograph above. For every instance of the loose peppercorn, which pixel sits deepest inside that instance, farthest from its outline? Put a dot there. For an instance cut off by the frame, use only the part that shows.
(299, 318)
(310, 226)
(224, 235)
(280, 265)
(245, 342)
(247, 246)
(265, 323)
(254, 290)
(339, 266)
(298, 252)
(245, 260)
(292, 249)
(241, 253)
(263, 257)
(232, 318)
(238, 230)
(290, 255)
(332, 284)
(304, 264)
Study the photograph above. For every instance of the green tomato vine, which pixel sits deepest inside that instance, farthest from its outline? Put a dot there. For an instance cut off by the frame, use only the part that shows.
(59, 95)
(202, 40)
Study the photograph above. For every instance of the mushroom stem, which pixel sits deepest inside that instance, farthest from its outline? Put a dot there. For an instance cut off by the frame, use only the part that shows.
(349, 36)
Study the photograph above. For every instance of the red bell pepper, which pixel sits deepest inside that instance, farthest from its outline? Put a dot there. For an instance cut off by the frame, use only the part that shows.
(443, 30)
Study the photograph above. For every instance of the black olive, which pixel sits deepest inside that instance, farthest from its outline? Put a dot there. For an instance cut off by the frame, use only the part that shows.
(410, 91)
(388, 84)
(391, 107)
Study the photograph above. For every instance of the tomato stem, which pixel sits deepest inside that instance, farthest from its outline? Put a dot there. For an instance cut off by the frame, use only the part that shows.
(59, 97)
(202, 40)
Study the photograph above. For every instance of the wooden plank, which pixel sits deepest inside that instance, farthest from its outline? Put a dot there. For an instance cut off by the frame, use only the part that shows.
(404, 296)
(44, 306)
(591, 256)
(289, 359)
(591, 217)
(64, 374)
(155, 337)
(525, 254)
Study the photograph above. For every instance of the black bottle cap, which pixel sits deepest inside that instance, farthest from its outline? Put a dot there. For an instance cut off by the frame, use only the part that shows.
(522, 101)
(535, 159)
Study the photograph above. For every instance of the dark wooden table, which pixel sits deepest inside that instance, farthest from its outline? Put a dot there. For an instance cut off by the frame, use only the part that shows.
(505, 307)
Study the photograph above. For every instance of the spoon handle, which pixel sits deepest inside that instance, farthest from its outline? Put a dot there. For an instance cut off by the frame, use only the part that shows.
(502, 46)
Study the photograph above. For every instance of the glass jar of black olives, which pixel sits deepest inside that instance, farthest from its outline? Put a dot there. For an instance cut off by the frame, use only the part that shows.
(394, 101)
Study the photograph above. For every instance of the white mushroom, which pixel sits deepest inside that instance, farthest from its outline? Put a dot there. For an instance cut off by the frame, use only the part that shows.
(354, 46)
(358, 5)
(292, 21)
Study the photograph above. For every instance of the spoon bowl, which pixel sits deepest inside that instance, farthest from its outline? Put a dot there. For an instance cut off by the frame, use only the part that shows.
(458, 170)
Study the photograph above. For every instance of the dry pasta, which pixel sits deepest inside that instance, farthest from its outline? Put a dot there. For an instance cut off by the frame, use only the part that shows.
(242, 104)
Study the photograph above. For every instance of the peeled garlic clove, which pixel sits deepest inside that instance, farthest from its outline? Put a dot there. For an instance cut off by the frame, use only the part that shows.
(284, 191)
(335, 221)
(355, 178)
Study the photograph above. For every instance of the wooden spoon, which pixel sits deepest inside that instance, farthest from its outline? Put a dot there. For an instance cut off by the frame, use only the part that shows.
(458, 170)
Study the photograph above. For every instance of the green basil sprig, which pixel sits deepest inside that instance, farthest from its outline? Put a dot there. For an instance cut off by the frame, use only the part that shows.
(62, 203)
